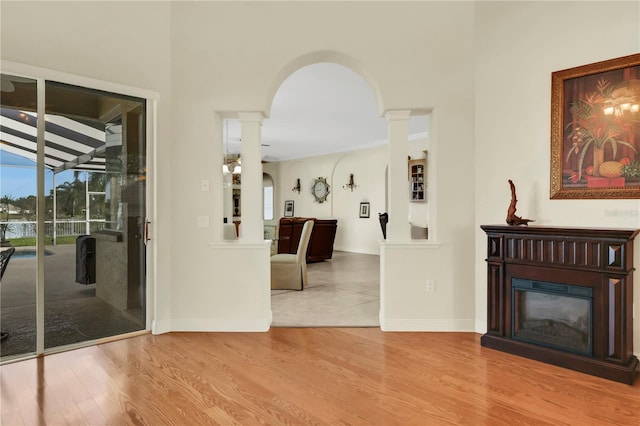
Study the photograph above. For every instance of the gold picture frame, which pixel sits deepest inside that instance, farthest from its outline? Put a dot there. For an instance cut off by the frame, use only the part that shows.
(595, 119)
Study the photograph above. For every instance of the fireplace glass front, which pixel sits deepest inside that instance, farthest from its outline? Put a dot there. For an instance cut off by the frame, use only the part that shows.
(559, 316)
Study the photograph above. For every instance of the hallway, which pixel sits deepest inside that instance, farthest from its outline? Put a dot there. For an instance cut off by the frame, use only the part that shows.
(342, 292)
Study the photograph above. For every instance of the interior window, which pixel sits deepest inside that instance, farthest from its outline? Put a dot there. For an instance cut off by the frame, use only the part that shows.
(267, 187)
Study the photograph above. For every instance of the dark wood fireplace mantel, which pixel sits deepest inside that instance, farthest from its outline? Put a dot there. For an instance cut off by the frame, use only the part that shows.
(597, 259)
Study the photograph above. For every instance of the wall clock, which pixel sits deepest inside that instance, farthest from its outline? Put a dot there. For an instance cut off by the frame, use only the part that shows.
(320, 189)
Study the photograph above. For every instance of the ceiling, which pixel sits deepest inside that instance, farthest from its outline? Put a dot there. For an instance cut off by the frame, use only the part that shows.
(321, 109)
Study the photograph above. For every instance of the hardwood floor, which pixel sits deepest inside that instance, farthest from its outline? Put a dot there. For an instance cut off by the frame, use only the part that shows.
(306, 376)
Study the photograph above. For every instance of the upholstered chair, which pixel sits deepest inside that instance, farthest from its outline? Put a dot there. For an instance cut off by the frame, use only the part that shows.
(229, 231)
(289, 271)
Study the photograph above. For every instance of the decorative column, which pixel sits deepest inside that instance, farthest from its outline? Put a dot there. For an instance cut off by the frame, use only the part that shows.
(251, 227)
(398, 228)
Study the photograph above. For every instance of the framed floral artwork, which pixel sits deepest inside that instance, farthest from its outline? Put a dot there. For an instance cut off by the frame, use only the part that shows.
(595, 130)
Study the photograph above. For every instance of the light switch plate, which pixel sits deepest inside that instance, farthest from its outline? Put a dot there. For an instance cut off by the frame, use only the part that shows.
(203, 221)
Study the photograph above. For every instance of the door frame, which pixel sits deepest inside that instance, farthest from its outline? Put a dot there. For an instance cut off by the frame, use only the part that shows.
(41, 75)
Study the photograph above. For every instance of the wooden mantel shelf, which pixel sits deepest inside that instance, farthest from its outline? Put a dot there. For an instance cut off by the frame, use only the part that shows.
(597, 258)
(568, 231)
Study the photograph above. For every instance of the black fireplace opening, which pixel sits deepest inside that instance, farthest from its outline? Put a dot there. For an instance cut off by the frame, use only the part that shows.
(554, 315)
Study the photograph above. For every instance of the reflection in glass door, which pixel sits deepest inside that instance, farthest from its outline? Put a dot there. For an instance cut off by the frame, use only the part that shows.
(93, 215)
(18, 220)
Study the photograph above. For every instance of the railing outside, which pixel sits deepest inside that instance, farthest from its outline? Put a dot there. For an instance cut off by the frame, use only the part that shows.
(27, 229)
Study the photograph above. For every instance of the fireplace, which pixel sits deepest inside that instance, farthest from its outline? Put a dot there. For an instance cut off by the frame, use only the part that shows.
(553, 315)
(563, 296)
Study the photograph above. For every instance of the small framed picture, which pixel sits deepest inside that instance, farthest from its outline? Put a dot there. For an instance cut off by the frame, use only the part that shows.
(288, 208)
(364, 210)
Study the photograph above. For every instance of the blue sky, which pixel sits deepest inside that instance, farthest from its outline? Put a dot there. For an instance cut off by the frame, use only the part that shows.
(18, 176)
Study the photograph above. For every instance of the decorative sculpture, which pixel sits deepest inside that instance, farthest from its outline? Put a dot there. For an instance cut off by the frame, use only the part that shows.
(512, 219)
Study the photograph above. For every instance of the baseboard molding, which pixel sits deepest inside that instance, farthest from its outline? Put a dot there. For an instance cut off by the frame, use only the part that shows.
(212, 325)
(438, 325)
(160, 327)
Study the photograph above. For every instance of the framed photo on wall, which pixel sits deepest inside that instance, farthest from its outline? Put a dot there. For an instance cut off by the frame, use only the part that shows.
(595, 130)
(364, 210)
(288, 208)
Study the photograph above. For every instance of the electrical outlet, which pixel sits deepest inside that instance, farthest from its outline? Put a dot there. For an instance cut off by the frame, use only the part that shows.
(431, 286)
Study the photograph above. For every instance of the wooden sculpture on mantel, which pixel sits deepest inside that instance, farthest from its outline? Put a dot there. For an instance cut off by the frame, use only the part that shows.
(512, 219)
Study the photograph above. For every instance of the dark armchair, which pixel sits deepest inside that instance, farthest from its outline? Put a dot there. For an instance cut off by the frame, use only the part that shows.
(322, 237)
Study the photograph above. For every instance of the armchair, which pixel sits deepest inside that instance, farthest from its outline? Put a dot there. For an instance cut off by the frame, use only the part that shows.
(289, 271)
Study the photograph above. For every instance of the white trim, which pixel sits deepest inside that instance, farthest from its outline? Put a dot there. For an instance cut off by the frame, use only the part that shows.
(239, 244)
(222, 324)
(413, 244)
(30, 71)
(417, 136)
(151, 209)
(433, 325)
(432, 179)
(40, 213)
(481, 326)
(151, 99)
(160, 327)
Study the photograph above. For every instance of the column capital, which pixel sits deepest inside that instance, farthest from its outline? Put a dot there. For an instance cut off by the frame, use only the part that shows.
(251, 117)
(399, 114)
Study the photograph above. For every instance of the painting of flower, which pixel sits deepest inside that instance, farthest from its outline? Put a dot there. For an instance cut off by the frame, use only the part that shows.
(595, 139)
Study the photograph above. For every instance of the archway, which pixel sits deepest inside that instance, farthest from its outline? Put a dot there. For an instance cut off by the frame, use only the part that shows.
(341, 203)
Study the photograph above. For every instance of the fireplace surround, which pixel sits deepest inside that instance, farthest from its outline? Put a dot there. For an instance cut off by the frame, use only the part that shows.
(563, 296)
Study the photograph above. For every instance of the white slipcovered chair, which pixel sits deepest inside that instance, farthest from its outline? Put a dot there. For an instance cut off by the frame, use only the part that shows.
(289, 271)
(229, 231)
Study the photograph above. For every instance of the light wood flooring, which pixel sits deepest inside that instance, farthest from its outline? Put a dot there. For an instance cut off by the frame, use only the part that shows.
(306, 376)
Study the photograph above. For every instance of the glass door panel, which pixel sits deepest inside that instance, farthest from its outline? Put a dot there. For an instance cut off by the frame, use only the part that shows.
(95, 284)
(18, 203)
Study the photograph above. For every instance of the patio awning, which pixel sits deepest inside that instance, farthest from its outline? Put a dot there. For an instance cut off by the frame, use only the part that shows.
(69, 144)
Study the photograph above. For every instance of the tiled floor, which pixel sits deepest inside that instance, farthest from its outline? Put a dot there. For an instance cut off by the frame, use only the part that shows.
(343, 291)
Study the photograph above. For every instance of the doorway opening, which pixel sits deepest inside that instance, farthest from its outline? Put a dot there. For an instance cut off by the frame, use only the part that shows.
(335, 135)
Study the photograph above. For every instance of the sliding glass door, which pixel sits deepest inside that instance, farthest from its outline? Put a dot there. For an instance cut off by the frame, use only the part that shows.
(87, 271)
(18, 215)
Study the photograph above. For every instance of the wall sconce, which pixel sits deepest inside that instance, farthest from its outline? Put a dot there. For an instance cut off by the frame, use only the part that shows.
(351, 185)
(297, 187)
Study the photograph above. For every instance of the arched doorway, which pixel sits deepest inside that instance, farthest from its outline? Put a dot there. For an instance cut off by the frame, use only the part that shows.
(343, 291)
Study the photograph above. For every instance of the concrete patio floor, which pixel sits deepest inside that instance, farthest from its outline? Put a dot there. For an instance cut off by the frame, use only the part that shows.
(73, 313)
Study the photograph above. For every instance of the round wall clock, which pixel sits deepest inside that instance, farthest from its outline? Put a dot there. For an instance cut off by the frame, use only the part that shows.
(320, 189)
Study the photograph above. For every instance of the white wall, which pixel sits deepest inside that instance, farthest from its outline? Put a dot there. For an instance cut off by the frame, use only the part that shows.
(233, 56)
(354, 234)
(482, 68)
(206, 59)
(518, 46)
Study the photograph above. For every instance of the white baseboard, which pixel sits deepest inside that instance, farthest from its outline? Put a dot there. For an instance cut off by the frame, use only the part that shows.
(160, 327)
(481, 326)
(441, 325)
(212, 325)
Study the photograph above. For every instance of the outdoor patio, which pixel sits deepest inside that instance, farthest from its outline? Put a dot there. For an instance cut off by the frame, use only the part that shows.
(73, 313)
